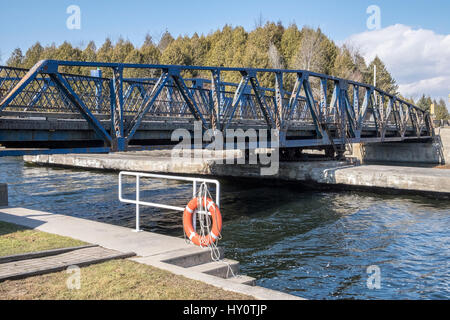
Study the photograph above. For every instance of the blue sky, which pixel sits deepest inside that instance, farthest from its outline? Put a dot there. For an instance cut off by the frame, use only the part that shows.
(24, 22)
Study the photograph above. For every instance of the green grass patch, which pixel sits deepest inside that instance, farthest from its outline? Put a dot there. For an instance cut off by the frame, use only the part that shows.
(16, 239)
(112, 280)
(115, 280)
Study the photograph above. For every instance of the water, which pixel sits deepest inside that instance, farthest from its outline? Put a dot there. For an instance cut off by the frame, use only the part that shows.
(313, 244)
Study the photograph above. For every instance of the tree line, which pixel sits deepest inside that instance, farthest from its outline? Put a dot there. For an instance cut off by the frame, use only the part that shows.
(271, 45)
(440, 109)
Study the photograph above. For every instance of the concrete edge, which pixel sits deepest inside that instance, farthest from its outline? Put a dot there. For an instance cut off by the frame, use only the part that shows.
(64, 266)
(257, 292)
(41, 254)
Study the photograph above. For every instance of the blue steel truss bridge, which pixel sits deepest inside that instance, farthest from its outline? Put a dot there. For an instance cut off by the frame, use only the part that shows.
(46, 108)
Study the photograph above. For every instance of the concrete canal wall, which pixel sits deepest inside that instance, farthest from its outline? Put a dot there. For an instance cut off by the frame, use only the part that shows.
(331, 173)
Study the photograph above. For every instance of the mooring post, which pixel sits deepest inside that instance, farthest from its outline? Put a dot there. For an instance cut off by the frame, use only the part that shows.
(3, 195)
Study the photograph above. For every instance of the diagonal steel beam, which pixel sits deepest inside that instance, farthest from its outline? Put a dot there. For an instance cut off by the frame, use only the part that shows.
(147, 104)
(323, 100)
(310, 103)
(364, 108)
(350, 113)
(188, 98)
(18, 88)
(39, 94)
(396, 115)
(67, 90)
(387, 114)
(216, 100)
(236, 99)
(334, 100)
(261, 101)
(293, 101)
(279, 105)
(405, 119)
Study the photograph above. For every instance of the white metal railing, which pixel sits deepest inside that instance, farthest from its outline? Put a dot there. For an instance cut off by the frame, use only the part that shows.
(138, 202)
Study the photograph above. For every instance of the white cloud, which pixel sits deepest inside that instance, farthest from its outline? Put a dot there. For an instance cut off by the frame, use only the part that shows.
(419, 59)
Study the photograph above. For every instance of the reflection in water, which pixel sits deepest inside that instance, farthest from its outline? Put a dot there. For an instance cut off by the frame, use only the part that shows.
(310, 243)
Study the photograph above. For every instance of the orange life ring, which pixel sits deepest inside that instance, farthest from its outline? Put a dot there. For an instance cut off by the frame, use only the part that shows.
(213, 209)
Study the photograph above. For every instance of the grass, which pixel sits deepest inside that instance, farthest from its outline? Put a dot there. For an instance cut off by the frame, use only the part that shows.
(115, 280)
(112, 280)
(16, 239)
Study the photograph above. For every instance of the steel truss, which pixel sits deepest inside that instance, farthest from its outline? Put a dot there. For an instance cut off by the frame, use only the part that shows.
(335, 111)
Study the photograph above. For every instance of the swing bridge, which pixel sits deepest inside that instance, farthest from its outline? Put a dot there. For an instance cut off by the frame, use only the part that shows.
(45, 110)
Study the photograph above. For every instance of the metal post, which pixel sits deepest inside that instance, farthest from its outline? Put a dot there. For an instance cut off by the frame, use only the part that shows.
(119, 143)
(194, 189)
(137, 204)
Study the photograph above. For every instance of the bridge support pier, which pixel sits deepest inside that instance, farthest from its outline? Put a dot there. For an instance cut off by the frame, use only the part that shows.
(433, 152)
(119, 145)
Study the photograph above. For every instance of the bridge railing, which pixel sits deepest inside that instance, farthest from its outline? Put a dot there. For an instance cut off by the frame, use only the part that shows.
(335, 110)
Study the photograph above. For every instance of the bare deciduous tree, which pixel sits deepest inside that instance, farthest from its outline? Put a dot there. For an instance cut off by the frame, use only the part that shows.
(311, 55)
(275, 58)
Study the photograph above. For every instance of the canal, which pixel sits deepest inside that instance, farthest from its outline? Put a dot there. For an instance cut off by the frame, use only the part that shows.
(314, 244)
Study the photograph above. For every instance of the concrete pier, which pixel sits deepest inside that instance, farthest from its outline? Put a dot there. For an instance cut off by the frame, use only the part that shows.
(331, 173)
(433, 152)
(164, 252)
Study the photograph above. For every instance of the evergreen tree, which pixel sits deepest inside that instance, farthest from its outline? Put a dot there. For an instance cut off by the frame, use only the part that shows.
(349, 64)
(165, 41)
(150, 55)
(33, 55)
(134, 56)
(179, 52)
(90, 52)
(424, 103)
(290, 45)
(148, 41)
(16, 58)
(49, 52)
(440, 110)
(69, 53)
(384, 79)
(105, 52)
(121, 50)
(269, 45)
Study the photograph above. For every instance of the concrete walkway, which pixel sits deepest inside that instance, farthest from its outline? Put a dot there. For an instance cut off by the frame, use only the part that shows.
(157, 250)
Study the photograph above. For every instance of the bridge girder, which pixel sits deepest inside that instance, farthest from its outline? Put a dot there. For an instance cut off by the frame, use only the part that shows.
(298, 96)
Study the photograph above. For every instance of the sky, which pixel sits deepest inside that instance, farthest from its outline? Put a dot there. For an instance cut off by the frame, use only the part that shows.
(412, 38)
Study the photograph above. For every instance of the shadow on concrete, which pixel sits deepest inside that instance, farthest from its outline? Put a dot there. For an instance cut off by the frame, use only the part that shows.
(17, 223)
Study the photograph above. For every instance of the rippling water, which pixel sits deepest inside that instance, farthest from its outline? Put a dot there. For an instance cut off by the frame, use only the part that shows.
(314, 244)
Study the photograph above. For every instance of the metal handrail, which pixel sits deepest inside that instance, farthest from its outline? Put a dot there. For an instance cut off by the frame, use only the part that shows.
(138, 202)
